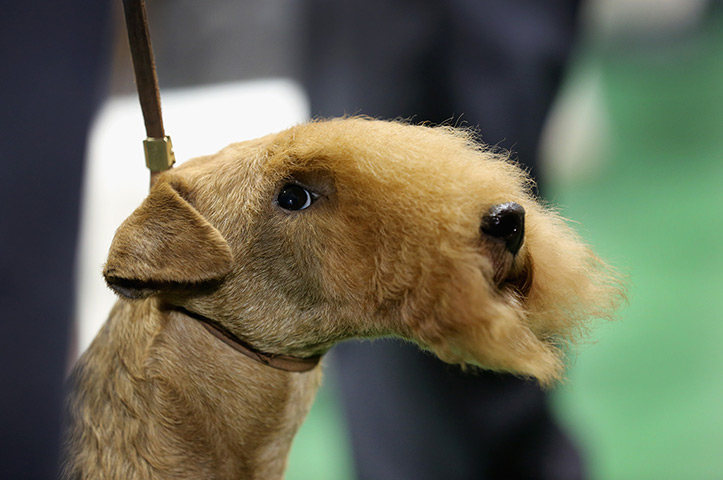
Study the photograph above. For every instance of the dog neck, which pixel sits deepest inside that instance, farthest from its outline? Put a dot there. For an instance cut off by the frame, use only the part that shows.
(179, 403)
(286, 363)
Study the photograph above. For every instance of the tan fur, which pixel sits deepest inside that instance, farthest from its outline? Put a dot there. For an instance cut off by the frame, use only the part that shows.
(392, 246)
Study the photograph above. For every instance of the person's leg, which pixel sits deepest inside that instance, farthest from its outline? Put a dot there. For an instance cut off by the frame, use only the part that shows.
(412, 416)
(496, 66)
(504, 64)
(492, 65)
(373, 58)
(52, 56)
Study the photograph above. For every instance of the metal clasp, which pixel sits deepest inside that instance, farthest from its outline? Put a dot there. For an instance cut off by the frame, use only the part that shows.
(159, 153)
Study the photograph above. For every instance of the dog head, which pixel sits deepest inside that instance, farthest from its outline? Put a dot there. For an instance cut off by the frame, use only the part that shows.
(362, 228)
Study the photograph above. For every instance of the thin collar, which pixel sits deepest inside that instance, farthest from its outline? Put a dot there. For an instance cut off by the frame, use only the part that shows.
(287, 363)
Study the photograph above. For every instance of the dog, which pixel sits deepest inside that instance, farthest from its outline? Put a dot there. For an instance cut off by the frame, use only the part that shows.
(240, 270)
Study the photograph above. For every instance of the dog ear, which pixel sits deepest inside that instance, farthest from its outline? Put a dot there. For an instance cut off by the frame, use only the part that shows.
(165, 243)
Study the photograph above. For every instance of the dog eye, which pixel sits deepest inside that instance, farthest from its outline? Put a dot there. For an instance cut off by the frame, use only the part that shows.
(295, 197)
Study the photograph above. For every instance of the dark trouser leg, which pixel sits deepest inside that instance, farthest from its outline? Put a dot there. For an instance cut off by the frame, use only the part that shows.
(52, 56)
(496, 65)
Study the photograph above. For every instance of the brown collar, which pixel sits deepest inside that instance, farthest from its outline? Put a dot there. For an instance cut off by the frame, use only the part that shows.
(286, 363)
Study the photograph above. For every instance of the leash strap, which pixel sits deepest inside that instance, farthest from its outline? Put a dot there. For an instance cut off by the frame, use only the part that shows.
(160, 157)
(157, 147)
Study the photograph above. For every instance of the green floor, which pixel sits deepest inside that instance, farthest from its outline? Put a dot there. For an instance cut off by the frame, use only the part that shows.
(646, 400)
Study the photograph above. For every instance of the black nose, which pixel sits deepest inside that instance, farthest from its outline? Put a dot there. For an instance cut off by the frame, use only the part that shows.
(506, 222)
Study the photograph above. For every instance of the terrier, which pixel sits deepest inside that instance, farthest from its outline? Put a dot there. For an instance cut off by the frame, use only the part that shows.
(240, 270)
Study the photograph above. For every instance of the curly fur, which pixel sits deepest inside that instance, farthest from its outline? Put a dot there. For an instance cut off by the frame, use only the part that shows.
(392, 246)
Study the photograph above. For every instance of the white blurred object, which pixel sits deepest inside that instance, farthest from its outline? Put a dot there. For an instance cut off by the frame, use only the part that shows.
(200, 121)
(576, 135)
(574, 141)
(643, 18)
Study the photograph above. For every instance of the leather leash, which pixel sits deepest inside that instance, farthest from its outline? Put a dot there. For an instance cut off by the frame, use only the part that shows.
(157, 146)
(159, 157)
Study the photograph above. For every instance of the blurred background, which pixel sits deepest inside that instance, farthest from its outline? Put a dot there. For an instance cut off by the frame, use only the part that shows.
(631, 152)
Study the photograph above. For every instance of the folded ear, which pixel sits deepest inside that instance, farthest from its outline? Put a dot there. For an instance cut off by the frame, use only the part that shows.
(165, 243)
